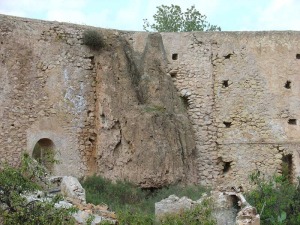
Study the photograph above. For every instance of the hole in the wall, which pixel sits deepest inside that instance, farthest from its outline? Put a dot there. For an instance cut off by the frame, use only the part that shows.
(185, 101)
(288, 84)
(292, 121)
(44, 153)
(175, 56)
(297, 56)
(225, 83)
(1, 42)
(228, 56)
(235, 202)
(173, 74)
(226, 167)
(287, 167)
(92, 58)
(227, 124)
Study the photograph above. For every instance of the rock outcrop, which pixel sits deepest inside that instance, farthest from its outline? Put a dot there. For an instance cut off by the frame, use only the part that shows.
(144, 133)
(72, 189)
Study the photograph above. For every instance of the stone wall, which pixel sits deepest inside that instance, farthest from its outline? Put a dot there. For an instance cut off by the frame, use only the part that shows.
(243, 93)
(206, 108)
(47, 84)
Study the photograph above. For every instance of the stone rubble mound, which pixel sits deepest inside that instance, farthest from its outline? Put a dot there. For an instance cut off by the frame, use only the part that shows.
(230, 207)
(74, 196)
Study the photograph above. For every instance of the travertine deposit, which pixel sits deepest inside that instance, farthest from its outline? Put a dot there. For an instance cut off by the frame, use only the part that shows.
(199, 107)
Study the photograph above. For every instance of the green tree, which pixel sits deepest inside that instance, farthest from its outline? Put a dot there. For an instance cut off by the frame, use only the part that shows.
(172, 19)
(15, 184)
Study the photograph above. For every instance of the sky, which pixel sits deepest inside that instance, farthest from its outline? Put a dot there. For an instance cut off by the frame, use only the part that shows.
(230, 15)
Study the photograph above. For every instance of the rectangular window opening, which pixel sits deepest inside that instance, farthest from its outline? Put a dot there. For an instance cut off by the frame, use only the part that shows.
(175, 56)
(297, 56)
(225, 83)
(292, 121)
(287, 167)
(173, 74)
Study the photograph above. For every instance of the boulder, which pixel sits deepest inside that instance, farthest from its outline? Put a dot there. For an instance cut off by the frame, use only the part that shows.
(72, 189)
(172, 205)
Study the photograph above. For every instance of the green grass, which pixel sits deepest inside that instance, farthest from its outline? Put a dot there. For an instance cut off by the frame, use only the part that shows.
(132, 204)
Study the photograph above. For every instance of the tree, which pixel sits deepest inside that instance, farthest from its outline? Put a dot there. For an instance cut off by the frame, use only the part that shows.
(15, 208)
(172, 19)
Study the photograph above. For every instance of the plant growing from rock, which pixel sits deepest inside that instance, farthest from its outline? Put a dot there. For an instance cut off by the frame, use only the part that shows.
(93, 39)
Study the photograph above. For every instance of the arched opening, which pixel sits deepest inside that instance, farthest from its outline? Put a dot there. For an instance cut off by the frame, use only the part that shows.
(44, 153)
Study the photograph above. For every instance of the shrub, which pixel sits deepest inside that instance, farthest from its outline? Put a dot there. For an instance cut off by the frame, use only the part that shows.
(93, 39)
(200, 215)
(15, 183)
(132, 204)
(124, 195)
(126, 217)
(277, 200)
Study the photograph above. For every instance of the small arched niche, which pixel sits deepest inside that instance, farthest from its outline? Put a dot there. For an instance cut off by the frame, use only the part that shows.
(44, 153)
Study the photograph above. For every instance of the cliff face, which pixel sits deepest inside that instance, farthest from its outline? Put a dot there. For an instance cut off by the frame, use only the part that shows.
(114, 112)
(143, 130)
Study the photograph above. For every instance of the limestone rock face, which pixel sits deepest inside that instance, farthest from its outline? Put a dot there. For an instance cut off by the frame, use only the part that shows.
(144, 132)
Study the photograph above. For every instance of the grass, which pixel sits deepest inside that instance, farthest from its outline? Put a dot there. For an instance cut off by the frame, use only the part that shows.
(133, 204)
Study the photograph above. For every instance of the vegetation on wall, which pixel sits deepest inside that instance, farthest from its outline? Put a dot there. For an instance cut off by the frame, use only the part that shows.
(172, 19)
(93, 39)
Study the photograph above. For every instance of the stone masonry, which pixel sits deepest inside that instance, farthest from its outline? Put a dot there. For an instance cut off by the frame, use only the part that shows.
(199, 107)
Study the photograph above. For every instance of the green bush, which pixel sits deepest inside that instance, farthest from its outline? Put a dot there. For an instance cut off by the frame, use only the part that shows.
(123, 195)
(15, 209)
(132, 204)
(200, 215)
(277, 200)
(119, 195)
(93, 39)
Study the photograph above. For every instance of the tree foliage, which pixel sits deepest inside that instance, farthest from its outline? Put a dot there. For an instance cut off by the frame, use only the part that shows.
(15, 208)
(277, 200)
(172, 19)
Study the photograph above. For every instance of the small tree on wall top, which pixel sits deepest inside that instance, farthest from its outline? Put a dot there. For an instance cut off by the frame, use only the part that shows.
(172, 19)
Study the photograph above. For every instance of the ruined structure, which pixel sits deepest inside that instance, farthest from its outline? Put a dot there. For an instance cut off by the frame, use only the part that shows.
(207, 108)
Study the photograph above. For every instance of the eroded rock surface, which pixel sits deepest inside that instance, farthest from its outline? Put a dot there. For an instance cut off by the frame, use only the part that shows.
(144, 131)
(72, 189)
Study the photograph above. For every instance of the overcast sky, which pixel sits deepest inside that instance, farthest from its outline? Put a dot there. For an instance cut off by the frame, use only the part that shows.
(231, 15)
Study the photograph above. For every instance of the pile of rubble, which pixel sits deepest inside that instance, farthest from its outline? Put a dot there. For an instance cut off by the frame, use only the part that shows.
(230, 207)
(74, 196)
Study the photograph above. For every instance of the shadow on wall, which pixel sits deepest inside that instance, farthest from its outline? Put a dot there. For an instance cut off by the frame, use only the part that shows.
(44, 153)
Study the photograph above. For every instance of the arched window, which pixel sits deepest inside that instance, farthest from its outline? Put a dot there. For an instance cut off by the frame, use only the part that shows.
(44, 152)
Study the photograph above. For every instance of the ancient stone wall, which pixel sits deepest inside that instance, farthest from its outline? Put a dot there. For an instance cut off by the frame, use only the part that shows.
(47, 84)
(243, 93)
(206, 108)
